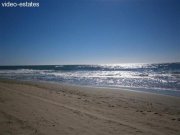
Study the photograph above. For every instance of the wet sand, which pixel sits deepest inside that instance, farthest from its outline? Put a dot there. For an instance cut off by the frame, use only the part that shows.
(28, 108)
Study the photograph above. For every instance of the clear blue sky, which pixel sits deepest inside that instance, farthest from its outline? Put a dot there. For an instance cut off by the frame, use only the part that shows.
(91, 32)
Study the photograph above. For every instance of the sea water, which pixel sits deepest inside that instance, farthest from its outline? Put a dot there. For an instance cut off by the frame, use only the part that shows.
(160, 78)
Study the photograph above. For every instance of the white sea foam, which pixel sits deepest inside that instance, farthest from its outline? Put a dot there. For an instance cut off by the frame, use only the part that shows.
(22, 71)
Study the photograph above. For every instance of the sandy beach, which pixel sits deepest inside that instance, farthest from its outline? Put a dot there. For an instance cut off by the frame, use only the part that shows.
(28, 108)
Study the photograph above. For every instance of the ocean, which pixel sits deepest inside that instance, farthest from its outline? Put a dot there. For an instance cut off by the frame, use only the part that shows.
(162, 78)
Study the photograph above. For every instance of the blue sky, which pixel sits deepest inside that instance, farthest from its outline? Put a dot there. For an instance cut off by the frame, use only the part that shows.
(91, 32)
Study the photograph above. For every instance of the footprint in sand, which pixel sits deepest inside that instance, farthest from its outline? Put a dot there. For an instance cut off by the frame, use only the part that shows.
(173, 119)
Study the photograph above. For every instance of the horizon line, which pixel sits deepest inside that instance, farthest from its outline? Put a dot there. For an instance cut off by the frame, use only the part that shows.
(89, 64)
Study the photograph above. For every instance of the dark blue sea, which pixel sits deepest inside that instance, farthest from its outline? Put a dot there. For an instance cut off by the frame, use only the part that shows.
(157, 78)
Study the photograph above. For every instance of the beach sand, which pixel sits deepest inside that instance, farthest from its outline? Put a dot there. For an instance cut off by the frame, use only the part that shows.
(28, 108)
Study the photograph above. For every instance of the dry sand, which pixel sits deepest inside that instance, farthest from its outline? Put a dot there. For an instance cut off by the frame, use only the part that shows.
(28, 108)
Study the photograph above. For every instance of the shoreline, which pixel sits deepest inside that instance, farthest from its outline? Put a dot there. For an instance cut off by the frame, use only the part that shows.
(46, 108)
(158, 91)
